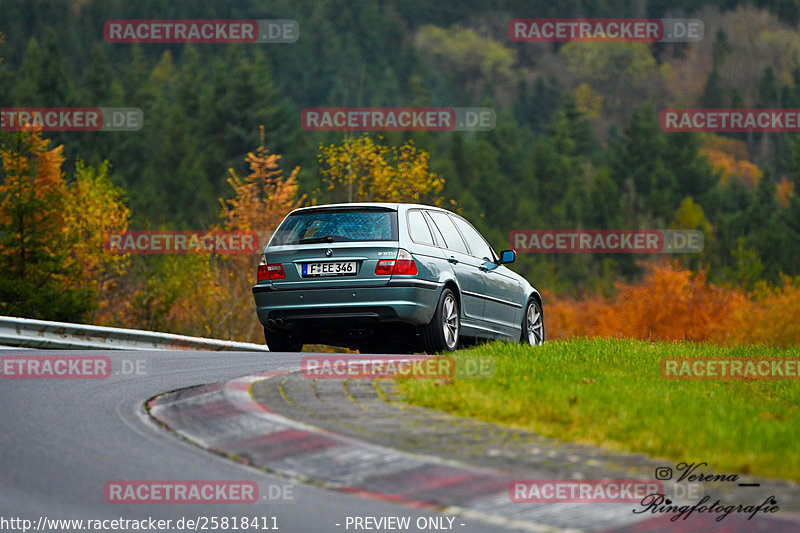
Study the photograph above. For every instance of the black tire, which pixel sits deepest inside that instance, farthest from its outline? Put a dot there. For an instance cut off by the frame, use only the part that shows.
(282, 341)
(532, 324)
(443, 331)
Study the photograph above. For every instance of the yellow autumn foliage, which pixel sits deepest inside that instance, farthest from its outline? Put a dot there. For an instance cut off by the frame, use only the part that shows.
(361, 170)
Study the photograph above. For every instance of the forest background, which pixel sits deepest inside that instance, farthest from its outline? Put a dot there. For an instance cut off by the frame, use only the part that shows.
(577, 145)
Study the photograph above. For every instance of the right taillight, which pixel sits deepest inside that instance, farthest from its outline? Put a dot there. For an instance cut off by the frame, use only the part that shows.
(405, 264)
(267, 272)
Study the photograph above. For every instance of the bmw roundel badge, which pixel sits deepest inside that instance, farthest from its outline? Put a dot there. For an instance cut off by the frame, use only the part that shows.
(328, 252)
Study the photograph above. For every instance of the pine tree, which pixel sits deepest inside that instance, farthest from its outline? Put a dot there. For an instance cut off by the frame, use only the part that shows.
(36, 269)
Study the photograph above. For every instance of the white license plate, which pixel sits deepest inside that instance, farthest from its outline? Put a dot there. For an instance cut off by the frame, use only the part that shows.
(330, 268)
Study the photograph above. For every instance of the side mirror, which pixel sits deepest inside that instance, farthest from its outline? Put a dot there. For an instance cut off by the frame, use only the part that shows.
(508, 256)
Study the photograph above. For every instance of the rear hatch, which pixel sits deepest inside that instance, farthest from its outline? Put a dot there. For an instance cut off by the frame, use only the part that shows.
(331, 247)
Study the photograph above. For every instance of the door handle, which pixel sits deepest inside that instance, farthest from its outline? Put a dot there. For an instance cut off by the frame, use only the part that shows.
(453, 260)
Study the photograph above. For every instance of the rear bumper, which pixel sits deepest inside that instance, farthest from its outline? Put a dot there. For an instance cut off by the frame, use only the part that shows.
(403, 301)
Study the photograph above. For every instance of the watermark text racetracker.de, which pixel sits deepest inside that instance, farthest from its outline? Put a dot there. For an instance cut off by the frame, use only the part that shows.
(398, 119)
(164, 492)
(581, 491)
(182, 524)
(201, 31)
(600, 30)
(731, 120)
(725, 368)
(194, 492)
(620, 241)
(71, 118)
(181, 242)
(68, 367)
(411, 366)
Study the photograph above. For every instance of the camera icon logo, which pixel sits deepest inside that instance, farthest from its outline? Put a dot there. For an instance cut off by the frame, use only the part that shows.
(663, 473)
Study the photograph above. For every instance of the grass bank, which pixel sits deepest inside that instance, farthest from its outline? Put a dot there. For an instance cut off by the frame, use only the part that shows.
(611, 393)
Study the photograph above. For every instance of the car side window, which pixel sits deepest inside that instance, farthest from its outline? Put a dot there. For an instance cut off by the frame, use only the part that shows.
(452, 238)
(418, 229)
(437, 235)
(477, 244)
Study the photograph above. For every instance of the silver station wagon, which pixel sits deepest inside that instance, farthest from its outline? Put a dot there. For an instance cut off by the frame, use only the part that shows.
(384, 278)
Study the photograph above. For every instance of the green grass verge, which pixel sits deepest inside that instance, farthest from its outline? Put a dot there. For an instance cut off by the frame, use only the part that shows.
(611, 393)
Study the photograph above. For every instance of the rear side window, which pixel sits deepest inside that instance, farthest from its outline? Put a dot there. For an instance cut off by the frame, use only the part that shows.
(437, 235)
(477, 244)
(452, 239)
(345, 225)
(418, 229)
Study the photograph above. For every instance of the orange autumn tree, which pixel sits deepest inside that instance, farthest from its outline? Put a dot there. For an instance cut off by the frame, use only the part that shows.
(51, 249)
(670, 303)
(209, 294)
(261, 200)
(729, 157)
(263, 197)
(774, 317)
(37, 270)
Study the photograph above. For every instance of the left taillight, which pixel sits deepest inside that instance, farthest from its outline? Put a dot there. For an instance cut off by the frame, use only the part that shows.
(404, 265)
(267, 272)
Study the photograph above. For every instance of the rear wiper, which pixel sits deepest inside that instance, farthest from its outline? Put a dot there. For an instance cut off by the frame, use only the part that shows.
(324, 238)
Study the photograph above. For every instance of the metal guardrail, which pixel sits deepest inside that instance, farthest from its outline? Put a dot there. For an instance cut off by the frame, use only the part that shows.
(29, 333)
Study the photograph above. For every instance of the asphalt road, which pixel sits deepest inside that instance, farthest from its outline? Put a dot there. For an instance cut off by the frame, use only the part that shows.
(62, 440)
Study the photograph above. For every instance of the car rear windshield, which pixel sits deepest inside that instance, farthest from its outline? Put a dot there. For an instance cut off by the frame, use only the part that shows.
(340, 225)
